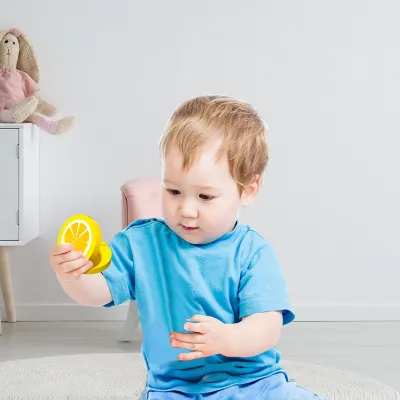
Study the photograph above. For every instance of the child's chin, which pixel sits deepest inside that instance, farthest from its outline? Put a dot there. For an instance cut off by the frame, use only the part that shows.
(198, 240)
(193, 239)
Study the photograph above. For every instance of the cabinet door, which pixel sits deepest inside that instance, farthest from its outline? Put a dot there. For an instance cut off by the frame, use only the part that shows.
(8, 184)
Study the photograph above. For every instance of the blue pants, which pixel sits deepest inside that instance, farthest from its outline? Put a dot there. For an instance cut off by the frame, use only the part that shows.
(275, 387)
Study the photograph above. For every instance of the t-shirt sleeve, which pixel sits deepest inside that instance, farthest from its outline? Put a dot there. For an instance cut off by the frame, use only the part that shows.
(263, 287)
(120, 274)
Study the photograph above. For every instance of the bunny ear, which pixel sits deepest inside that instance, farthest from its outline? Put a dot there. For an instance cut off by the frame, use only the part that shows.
(27, 60)
(3, 32)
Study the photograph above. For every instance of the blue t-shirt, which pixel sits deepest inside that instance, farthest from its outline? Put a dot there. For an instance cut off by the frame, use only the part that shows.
(172, 280)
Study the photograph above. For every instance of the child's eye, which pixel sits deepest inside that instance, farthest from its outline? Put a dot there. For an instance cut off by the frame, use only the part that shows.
(206, 197)
(174, 192)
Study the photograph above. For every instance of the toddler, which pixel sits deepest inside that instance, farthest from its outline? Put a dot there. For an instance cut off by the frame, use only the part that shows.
(210, 292)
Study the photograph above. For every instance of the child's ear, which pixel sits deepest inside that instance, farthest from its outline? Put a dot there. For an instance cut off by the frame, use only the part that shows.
(250, 192)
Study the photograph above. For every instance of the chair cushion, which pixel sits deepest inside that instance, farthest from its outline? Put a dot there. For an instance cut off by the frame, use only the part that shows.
(141, 198)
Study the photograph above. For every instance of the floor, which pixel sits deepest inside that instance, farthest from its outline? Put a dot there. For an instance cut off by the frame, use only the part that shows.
(371, 349)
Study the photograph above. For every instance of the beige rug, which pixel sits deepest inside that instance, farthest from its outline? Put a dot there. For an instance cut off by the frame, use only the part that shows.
(122, 375)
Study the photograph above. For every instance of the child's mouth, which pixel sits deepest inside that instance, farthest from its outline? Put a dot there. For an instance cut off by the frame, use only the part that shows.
(189, 228)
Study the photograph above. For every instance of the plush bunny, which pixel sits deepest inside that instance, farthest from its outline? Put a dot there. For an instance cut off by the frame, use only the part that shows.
(19, 88)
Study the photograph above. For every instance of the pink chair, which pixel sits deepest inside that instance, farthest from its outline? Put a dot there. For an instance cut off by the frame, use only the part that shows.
(141, 198)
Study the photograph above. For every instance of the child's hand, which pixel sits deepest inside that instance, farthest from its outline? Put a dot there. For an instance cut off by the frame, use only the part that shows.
(211, 337)
(67, 263)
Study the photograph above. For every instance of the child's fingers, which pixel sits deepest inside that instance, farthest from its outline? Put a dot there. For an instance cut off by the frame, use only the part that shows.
(191, 356)
(188, 337)
(200, 327)
(77, 272)
(75, 264)
(70, 256)
(186, 345)
(61, 248)
(201, 318)
(67, 263)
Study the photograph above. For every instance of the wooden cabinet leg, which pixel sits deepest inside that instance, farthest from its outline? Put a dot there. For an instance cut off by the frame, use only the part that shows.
(6, 285)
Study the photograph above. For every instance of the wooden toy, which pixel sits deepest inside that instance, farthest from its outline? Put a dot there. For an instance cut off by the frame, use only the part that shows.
(85, 234)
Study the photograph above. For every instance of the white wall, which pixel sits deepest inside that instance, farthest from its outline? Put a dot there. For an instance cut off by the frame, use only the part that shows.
(325, 75)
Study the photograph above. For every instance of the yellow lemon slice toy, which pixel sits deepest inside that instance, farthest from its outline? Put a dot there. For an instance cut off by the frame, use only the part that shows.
(85, 234)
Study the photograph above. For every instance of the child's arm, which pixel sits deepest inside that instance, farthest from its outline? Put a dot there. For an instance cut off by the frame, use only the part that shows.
(264, 307)
(254, 334)
(69, 266)
(88, 290)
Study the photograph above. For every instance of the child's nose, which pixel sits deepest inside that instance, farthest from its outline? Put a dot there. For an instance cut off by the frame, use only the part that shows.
(189, 209)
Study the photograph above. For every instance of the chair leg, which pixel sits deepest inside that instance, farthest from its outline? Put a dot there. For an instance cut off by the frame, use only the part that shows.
(6, 285)
(131, 324)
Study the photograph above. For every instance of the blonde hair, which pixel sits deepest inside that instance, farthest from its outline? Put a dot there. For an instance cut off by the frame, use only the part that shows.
(243, 134)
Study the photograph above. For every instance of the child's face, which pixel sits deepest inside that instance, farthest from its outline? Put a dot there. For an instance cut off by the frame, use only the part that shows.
(204, 203)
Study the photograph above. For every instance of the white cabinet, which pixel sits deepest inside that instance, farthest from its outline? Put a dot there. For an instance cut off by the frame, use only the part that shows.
(19, 183)
(19, 198)
(9, 184)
